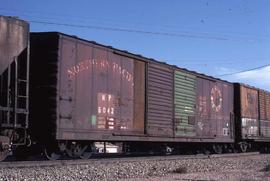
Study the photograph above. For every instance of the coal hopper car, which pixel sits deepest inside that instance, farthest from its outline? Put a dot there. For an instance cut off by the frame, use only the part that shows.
(14, 81)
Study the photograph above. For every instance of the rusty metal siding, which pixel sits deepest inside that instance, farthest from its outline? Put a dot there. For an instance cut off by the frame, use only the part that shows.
(97, 90)
(87, 89)
(139, 96)
(267, 105)
(249, 111)
(66, 85)
(14, 35)
(249, 102)
(264, 128)
(114, 91)
(264, 113)
(214, 109)
(127, 94)
(225, 124)
(160, 100)
(14, 74)
(264, 105)
(184, 104)
(205, 128)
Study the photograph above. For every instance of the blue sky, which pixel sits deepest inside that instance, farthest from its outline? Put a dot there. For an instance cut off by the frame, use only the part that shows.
(214, 37)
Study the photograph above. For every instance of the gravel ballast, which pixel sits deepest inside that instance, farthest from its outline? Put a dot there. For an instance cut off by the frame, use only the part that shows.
(256, 167)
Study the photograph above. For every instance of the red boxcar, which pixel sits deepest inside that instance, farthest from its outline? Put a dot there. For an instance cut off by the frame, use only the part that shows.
(252, 116)
(84, 91)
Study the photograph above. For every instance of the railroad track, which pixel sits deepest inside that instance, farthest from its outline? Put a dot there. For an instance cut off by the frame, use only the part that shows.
(48, 163)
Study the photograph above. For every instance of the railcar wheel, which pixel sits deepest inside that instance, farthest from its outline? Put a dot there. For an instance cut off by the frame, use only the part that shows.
(217, 148)
(206, 151)
(52, 154)
(86, 152)
(234, 149)
(265, 149)
(77, 150)
(5, 147)
(3, 154)
(73, 150)
(243, 147)
(166, 150)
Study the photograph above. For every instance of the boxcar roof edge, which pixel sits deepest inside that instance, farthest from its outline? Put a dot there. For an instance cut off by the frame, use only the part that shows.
(252, 87)
(140, 57)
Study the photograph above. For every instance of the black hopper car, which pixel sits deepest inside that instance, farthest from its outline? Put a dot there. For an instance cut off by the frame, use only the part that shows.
(64, 94)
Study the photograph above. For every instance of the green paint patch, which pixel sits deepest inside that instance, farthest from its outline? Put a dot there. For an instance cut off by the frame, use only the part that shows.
(93, 120)
(184, 101)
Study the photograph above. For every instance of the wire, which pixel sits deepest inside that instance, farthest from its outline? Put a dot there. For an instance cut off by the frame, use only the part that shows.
(184, 33)
(131, 30)
(223, 61)
(243, 71)
(147, 32)
(10, 11)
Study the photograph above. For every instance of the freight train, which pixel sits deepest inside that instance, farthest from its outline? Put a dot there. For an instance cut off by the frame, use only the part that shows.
(63, 94)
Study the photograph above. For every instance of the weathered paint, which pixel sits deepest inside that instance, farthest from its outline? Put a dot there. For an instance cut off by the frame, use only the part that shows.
(160, 100)
(264, 128)
(102, 87)
(252, 115)
(14, 75)
(13, 39)
(184, 104)
(214, 108)
(249, 102)
(139, 95)
(96, 89)
(249, 111)
(264, 105)
(100, 95)
(264, 113)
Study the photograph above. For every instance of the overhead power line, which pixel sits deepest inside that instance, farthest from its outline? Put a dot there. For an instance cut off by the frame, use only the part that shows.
(132, 30)
(182, 33)
(53, 15)
(148, 32)
(243, 71)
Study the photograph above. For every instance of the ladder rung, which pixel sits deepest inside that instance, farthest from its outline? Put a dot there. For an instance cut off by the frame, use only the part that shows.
(10, 125)
(6, 109)
(22, 80)
(23, 96)
(22, 111)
